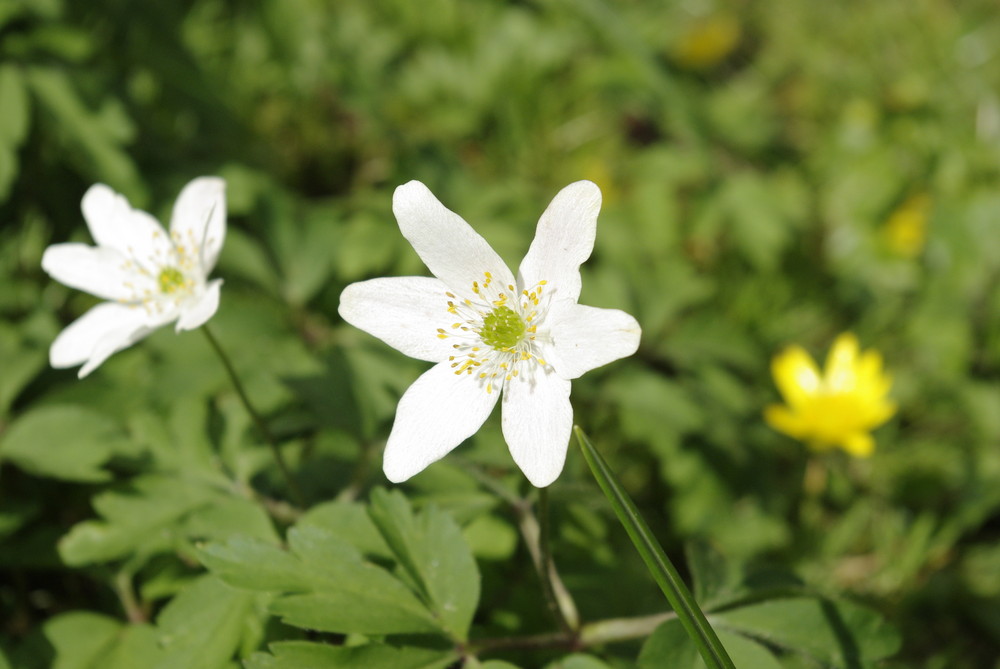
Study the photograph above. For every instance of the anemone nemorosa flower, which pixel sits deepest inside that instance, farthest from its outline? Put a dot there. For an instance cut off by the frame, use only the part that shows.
(148, 277)
(489, 333)
(837, 408)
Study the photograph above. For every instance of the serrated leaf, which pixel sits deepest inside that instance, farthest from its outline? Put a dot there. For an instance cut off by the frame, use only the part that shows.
(305, 655)
(85, 131)
(326, 584)
(201, 628)
(429, 546)
(227, 517)
(144, 516)
(350, 522)
(670, 646)
(63, 442)
(840, 633)
(73, 640)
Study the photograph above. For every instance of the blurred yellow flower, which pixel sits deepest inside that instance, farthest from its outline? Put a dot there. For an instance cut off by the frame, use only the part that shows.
(839, 407)
(708, 42)
(905, 231)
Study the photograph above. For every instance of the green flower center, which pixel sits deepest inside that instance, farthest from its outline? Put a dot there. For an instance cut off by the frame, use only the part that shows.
(502, 329)
(171, 280)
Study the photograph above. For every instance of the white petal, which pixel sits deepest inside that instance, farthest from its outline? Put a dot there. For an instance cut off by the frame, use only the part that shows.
(102, 331)
(563, 240)
(196, 313)
(451, 249)
(135, 234)
(199, 217)
(587, 337)
(96, 270)
(437, 413)
(404, 312)
(537, 420)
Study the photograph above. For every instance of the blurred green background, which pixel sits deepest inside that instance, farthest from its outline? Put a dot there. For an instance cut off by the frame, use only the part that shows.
(773, 173)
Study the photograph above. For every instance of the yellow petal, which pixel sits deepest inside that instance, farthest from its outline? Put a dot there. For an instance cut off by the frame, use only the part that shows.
(841, 363)
(796, 375)
(783, 420)
(859, 444)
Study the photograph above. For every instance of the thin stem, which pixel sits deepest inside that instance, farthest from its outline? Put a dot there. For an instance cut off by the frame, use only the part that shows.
(597, 633)
(536, 538)
(659, 565)
(560, 603)
(256, 417)
(556, 595)
(134, 611)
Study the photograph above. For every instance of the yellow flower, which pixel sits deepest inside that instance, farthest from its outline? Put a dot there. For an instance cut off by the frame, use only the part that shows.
(707, 43)
(839, 407)
(905, 230)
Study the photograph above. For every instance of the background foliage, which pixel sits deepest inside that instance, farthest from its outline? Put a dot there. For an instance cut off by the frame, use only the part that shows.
(772, 172)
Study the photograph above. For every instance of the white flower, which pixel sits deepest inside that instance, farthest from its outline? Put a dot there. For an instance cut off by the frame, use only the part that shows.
(149, 278)
(490, 333)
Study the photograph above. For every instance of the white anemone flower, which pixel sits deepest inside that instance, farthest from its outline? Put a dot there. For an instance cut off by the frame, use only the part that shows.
(148, 277)
(489, 333)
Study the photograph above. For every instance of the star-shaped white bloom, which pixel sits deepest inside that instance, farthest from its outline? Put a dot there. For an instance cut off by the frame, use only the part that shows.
(150, 278)
(489, 333)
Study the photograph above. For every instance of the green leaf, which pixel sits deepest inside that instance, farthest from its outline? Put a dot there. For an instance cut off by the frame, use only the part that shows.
(144, 516)
(305, 655)
(430, 548)
(84, 640)
(72, 640)
(22, 362)
(14, 108)
(64, 442)
(670, 646)
(839, 633)
(230, 516)
(86, 132)
(350, 522)
(202, 627)
(659, 565)
(325, 582)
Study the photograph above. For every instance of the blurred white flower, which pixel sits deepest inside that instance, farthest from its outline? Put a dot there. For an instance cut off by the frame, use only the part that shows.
(490, 333)
(150, 278)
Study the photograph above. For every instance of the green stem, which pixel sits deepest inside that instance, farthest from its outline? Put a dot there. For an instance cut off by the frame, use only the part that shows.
(256, 417)
(559, 600)
(659, 565)
(597, 633)
(536, 538)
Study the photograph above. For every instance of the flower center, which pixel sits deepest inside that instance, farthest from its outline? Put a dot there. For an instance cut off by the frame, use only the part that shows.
(502, 329)
(496, 331)
(171, 280)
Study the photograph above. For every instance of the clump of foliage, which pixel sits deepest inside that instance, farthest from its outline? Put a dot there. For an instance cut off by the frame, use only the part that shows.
(773, 174)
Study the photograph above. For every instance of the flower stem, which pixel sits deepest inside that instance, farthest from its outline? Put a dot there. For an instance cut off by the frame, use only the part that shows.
(256, 417)
(597, 633)
(536, 538)
(659, 565)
